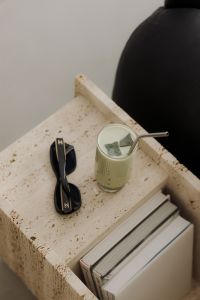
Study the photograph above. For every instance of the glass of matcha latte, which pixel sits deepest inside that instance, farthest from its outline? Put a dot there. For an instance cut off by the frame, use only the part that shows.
(114, 156)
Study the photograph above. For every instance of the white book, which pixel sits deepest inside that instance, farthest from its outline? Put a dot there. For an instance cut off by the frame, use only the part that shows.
(126, 261)
(134, 239)
(97, 252)
(161, 270)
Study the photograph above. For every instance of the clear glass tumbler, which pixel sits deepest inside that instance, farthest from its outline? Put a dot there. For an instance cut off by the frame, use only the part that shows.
(114, 156)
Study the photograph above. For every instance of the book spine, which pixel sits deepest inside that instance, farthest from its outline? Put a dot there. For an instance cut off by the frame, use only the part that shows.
(110, 296)
(98, 283)
(106, 295)
(88, 277)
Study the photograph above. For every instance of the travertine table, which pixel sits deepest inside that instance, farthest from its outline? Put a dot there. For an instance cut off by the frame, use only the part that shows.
(44, 248)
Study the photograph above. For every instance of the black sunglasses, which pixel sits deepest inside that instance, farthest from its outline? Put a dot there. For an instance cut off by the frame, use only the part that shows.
(67, 197)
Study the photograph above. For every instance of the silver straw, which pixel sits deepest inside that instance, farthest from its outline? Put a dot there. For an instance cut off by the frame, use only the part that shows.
(153, 134)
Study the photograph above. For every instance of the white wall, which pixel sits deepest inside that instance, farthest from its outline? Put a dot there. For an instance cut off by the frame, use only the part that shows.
(45, 43)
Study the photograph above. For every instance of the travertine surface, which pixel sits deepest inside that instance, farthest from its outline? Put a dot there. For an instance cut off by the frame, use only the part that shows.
(44, 247)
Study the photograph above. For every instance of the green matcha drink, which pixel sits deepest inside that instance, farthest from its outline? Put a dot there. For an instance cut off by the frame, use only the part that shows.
(114, 156)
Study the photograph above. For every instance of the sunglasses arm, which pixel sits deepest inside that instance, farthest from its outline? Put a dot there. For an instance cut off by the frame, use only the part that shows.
(61, 156)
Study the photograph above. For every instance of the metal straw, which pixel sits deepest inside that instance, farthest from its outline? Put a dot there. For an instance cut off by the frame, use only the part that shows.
(153, 134)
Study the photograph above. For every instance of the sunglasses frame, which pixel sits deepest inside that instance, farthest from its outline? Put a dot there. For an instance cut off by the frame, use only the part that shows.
(63, 161)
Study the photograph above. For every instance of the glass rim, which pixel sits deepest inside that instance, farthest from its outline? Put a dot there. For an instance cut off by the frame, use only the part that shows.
(115, 157)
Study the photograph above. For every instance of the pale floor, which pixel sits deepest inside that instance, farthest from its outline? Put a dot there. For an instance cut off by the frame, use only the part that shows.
(11, 286)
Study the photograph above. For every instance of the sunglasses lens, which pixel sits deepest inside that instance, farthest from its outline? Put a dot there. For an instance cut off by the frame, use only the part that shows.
(70, 161)
(75, 197)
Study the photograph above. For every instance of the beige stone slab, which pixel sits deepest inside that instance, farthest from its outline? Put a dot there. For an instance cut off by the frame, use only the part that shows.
(44, 247)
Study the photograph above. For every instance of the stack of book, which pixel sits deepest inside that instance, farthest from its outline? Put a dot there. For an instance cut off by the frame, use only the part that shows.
(147, 257)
